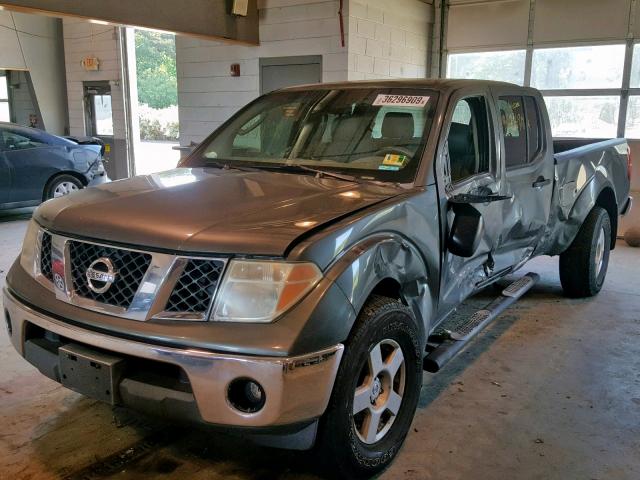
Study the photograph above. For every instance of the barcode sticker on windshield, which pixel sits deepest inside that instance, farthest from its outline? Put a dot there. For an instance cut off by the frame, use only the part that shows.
(400, 100)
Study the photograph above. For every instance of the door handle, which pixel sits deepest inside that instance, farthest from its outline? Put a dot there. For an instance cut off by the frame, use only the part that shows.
(541, 182)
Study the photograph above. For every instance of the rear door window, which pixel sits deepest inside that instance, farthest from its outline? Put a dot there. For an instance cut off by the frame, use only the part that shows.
(12, 141)
(514, 131)
(534, 128)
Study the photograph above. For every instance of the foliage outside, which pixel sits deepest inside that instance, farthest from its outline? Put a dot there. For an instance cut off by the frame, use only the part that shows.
(158, 124)
(157, 85)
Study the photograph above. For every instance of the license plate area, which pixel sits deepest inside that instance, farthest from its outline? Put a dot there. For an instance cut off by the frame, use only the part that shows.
(90, 372)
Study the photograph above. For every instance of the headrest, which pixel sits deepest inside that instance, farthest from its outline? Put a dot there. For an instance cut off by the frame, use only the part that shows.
(397, 125)
(347, 128)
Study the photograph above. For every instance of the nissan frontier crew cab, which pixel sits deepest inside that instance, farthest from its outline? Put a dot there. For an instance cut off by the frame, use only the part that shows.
(292, 278)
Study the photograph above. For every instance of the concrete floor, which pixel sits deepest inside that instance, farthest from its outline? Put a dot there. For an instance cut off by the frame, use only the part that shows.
(550, 391)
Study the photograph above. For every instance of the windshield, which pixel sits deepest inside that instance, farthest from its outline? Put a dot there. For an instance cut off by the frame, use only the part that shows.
(369, 133)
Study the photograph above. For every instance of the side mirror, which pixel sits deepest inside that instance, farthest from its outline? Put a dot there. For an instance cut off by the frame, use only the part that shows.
(466, 231)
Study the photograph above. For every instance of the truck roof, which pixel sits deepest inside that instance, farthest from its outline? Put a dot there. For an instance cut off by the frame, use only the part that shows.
(441, 84)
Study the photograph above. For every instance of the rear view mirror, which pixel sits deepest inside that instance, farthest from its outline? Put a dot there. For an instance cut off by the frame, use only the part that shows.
(466, 231)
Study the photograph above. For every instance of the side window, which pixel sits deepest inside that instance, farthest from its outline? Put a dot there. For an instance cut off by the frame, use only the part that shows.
(13, 141)
(468, 139)
(534, 128)
(514, 130)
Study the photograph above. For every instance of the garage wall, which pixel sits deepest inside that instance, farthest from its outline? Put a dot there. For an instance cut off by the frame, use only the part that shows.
(208, 95)
(477, 25)
(81, 39)
(389, 39)
(34, 43)
(22, 106)
(488, 25)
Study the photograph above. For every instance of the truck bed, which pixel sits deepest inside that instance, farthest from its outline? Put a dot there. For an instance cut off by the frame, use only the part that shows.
(582, 166)
(561, 145)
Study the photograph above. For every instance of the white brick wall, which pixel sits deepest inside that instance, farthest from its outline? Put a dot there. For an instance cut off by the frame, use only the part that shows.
(208, 95)
(388, 38)
(82, 38)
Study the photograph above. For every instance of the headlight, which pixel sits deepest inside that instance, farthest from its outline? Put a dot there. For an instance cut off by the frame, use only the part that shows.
(259, 291)
(29, 250)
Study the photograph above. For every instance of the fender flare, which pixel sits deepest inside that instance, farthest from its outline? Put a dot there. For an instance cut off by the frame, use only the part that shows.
(583, 204)
(381, 257)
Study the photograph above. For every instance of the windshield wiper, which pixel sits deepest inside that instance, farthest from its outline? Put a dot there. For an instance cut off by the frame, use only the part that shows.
(319, 173)
(228, 166)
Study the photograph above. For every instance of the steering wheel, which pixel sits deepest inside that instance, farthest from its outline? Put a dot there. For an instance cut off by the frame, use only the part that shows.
(391, 149)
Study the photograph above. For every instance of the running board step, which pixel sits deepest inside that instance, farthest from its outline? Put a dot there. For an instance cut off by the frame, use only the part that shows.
(456, 339)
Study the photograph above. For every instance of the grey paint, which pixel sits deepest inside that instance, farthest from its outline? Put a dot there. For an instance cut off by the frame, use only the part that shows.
(383, 232)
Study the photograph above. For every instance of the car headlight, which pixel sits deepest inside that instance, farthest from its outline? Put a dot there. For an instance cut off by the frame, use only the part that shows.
(260, 291)
(29, 248)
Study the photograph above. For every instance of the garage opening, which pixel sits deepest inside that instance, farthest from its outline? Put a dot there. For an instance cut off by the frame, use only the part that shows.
(156, 91)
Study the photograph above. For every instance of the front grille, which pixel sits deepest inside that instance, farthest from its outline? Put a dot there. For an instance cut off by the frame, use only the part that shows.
(196, 286)
(45, 256)
(130, 266)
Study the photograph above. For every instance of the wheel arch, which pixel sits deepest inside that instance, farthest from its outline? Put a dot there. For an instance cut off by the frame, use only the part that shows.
(388, 265)
(59, 173)
(607, 200)
(598, 191)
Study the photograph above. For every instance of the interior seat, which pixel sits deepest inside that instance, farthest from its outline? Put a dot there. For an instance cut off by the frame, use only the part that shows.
(461, 151)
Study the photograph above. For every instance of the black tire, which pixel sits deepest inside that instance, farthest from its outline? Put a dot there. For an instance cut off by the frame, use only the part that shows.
(58, 181)
(580, 275)
(339, 440)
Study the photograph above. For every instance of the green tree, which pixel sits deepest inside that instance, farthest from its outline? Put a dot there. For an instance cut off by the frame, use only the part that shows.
(156, 65)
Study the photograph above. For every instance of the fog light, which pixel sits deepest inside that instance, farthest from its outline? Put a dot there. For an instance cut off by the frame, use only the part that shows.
(246, 395)
(7, 319)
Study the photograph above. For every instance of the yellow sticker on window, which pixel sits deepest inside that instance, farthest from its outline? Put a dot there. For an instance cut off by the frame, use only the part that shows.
(394, 160)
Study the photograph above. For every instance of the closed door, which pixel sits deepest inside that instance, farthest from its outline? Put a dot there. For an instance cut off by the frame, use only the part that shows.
(284, 72)
(30, 161)
(529, 174)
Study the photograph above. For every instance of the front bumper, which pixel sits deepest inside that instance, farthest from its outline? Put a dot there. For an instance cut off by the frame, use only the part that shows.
(297, 388)
(99, 179)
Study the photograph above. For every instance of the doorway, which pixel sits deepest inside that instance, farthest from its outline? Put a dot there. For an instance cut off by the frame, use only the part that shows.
(281, 72)
(98, 115)
(154, 97)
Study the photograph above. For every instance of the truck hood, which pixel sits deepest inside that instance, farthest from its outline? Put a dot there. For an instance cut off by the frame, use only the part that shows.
(209, 210)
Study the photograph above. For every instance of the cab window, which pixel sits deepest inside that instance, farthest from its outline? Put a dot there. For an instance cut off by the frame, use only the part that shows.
(514, 131)
(468, 139)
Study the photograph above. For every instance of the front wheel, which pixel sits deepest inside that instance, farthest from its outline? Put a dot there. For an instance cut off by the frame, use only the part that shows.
(583, 266)
(376, 391)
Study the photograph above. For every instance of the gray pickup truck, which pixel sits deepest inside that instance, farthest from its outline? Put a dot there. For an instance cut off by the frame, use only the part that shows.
(292, 279)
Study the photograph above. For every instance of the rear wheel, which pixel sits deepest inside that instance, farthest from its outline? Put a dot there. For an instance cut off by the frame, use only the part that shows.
(376, 391)
(583, 266)
(61, 186)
